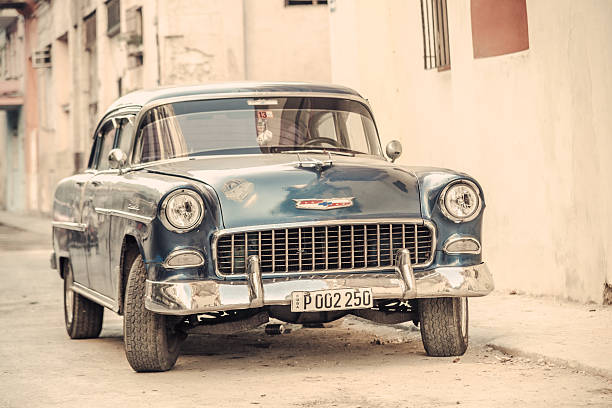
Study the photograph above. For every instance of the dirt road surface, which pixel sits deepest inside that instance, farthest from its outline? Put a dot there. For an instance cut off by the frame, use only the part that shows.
(350, 364)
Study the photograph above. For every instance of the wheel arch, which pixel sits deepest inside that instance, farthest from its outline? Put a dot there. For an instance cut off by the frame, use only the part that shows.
(63, 260)
(130, 249)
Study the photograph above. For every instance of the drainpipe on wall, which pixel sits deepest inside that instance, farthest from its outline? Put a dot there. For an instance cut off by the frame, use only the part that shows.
(157, 43)
(31, 107)
(244, 40)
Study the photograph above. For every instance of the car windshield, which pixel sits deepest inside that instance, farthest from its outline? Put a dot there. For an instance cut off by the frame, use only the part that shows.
(244, 125)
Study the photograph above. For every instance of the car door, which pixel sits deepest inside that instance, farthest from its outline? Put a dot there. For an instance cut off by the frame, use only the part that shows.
(96, 216)
(69, 224)
(120, 193)
(75, 236)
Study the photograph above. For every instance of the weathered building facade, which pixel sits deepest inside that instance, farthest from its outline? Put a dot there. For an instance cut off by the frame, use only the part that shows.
(12, 113)
(75, 57)
(514, 92)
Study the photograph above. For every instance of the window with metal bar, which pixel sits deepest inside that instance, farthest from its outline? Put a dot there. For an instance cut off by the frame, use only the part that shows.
(113, 14)
(436, 50)
(90, 31)
(304, 2)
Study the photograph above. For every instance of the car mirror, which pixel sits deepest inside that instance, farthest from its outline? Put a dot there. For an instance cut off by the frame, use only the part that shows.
(394, 150)
(117, 159)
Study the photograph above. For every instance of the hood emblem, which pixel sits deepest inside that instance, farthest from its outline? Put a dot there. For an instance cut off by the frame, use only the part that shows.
(323, 203)
(315, 164)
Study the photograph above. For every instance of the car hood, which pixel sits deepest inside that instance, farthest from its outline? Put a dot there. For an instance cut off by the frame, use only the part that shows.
(261, 189)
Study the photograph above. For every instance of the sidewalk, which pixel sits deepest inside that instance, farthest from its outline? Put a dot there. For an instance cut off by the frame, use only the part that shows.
(34, 224)
(568, 334)
(541, 329)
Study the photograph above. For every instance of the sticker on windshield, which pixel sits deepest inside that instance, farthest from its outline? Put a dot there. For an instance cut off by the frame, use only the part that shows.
(264, 135)
(255, 102)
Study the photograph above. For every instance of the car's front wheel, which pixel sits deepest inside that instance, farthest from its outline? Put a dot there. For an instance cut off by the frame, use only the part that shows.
(83, 317)
(152, 343)
(444, 326)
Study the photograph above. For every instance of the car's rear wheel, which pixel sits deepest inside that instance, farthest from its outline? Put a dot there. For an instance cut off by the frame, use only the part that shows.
(82, 316)
(152, 342)
(444, 326)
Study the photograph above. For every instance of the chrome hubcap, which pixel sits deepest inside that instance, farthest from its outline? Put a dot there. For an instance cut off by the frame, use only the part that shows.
(69, 297)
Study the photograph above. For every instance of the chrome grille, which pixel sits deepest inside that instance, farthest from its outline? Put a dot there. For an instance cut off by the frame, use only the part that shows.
(323, 248)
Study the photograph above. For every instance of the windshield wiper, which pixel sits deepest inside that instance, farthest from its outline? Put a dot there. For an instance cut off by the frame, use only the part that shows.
(324, 151)
(227, 150)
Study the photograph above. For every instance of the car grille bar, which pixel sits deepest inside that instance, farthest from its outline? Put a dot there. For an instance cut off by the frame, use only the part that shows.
(324, 248)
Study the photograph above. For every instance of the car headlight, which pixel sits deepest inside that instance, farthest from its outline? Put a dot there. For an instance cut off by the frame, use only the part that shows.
(182, 210)
(460, 201)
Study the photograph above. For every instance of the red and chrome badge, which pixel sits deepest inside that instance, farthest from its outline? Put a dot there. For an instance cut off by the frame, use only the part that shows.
(323, 203)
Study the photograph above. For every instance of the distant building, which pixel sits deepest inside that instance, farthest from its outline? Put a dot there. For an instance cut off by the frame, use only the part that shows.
(75, 57)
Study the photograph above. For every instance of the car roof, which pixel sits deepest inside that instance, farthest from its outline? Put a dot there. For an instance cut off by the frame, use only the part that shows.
(146, 96)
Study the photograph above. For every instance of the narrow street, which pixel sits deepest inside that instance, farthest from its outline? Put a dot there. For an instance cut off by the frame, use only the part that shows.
(349, 364)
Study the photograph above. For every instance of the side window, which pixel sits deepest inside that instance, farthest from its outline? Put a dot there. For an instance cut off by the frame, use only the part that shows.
(107, 140)
(126, 135)
(95, 146)
(148, 147)
(161, 137)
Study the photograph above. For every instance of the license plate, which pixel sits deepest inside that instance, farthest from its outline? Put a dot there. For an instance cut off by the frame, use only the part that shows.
(332, 299)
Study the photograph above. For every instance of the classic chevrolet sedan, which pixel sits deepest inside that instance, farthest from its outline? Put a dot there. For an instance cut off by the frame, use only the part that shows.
(215, 208)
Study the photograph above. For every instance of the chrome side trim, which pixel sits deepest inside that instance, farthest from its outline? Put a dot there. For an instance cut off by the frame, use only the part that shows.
(254, 228)
(124, 214)
(95, 296)
(454, 238)
(192, 297)
(73, 226)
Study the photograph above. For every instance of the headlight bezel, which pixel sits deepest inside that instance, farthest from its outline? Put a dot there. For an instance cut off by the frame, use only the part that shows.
(446, 211)
(164, 215)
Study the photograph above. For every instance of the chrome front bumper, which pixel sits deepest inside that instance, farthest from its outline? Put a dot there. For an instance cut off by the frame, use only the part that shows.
(192, 297)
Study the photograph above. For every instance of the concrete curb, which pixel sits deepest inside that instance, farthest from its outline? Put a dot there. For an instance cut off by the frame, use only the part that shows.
(565, 363)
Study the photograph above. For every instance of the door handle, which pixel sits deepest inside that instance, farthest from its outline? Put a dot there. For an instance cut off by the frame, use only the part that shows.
(96, 183)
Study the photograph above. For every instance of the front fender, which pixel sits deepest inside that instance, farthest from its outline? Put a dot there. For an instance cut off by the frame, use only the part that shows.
(431, 183)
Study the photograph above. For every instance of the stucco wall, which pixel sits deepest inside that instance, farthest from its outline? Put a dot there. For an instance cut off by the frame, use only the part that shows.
(3, 167)
(533, 127)
(286, 43)
(200, 41)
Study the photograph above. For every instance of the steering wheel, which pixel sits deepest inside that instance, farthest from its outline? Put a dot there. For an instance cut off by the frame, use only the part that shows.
(322, 140)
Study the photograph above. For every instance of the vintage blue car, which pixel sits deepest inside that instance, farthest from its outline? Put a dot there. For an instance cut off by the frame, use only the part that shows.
(219, 207)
